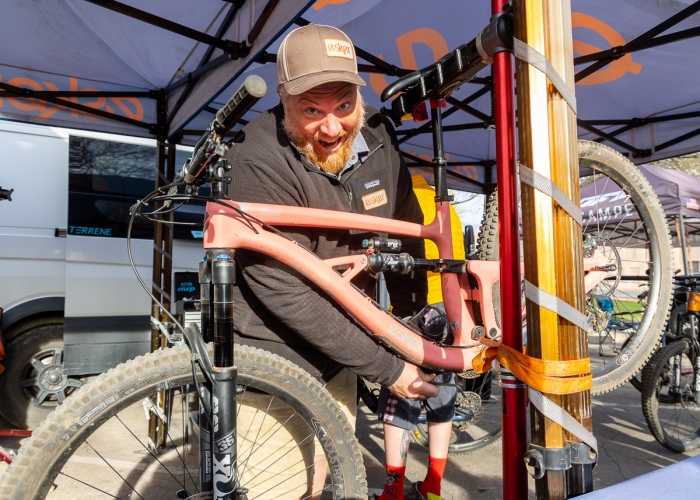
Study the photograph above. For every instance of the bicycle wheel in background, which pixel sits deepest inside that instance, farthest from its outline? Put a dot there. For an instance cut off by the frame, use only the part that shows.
(670, 333)
(477, 420)
(95, 444)
(670, 399)
(630, 305)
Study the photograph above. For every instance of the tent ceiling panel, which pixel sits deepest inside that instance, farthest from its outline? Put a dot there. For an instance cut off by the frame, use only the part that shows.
(642, 102)
(126, 58)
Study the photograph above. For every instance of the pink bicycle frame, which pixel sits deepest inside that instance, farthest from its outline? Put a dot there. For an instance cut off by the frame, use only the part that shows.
(225, 227)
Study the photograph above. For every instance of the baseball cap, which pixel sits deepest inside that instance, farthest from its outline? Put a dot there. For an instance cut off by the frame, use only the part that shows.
(313, 55)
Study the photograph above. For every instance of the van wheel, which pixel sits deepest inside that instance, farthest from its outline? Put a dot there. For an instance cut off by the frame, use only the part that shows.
(33, 382)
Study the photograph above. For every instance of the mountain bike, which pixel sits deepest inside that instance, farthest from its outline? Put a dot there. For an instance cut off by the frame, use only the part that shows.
(250, 401)
(671, 379)
(678, 306)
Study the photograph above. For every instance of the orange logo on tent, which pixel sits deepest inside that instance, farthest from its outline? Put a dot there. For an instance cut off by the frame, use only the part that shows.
(612, 71)
(322, 3)
(130, 107)
(405, 43)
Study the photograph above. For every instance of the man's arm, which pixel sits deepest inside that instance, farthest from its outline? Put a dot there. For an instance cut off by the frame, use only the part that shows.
(311, 314)
(294, 300)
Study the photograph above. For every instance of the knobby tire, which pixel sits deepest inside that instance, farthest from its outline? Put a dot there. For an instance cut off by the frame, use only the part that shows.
(66, 433)
(670, 406)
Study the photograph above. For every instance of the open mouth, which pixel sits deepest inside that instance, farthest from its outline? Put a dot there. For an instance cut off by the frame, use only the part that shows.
(330, 145)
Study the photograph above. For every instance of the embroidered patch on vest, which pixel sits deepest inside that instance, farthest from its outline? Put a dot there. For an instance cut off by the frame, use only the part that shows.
(371, 184)
(374, 200)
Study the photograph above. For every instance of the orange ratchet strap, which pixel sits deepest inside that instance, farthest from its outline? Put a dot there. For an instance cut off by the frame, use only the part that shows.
(548, 377)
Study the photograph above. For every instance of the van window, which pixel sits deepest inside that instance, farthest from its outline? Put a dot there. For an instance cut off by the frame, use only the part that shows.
(105, 180)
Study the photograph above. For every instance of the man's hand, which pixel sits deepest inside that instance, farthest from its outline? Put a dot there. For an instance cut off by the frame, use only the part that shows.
(414, 383)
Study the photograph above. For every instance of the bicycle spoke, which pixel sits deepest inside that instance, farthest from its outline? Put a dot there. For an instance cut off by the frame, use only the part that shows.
(155, 457)
(92, 487)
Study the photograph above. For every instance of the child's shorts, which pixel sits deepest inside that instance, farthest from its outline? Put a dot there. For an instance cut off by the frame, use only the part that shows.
(404, 413)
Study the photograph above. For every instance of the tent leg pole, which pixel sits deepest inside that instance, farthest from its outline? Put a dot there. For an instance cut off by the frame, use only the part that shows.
(684, 248)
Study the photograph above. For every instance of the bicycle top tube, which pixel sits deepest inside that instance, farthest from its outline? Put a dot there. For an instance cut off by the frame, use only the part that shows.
(283, 215)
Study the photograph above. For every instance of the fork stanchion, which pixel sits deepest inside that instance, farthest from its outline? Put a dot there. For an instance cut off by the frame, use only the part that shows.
(223, 390)
(514, 396)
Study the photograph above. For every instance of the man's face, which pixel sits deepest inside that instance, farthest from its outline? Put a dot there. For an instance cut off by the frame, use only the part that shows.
(324, 122)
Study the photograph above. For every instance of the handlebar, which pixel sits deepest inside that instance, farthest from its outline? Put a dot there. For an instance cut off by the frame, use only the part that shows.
(241, 101)
(690, 281)
(209, 147)
(449, 73)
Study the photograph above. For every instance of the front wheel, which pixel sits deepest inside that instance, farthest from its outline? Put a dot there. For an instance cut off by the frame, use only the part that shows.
(97, 443)
(622, 221)
(670, 397)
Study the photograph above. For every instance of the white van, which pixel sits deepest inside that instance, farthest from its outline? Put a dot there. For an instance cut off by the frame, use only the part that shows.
(72, 305)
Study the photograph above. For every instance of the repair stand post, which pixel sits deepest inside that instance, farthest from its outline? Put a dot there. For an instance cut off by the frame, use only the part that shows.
(552, 243)
(513, 392)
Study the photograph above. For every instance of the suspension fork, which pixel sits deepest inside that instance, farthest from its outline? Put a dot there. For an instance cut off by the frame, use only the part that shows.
(218, 428)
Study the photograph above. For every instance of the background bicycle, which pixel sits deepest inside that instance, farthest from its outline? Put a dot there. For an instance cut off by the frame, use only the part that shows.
(671, 379)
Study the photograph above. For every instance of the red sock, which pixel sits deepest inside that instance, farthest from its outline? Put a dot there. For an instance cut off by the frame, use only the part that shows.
(431, 484)
(393, 487)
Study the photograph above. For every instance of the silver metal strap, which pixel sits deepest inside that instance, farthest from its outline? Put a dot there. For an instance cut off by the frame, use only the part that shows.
(559, 416)
(546, 186)
(531, 56)
(556, 305)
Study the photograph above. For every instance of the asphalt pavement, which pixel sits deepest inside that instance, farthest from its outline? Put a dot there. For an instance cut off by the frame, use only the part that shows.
(626, 450)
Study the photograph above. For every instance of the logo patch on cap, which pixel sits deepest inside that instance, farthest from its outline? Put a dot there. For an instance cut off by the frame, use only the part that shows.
(338, 48)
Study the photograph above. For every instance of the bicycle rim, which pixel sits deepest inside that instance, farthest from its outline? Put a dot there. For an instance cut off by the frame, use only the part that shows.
(670, 401)
(97, 441)
(632, 248)
(477, 420)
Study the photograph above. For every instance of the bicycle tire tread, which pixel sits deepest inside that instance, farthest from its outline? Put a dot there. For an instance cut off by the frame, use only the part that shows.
(650, 400)
(21, 481)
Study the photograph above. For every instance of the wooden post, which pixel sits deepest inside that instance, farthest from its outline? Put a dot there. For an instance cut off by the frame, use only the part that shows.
(552, 241)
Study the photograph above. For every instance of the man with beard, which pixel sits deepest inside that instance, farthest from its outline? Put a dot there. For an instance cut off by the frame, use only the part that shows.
(321, 147)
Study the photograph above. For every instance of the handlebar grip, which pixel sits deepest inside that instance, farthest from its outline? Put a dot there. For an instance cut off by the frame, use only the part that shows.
(401, 84)
(252, 89)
